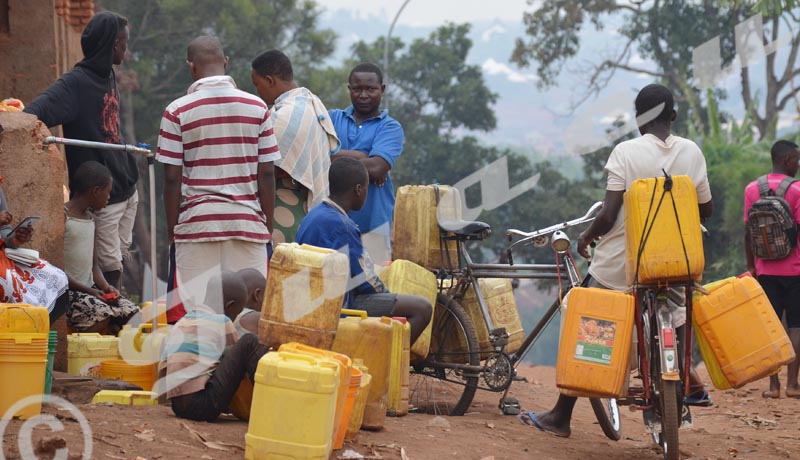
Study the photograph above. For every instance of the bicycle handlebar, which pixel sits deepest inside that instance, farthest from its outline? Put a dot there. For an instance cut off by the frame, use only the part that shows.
(527, 236)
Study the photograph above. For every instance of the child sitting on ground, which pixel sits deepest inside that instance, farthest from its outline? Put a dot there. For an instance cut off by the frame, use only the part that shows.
(94, 305)
(328, 226)
(204, 358)
(247, 320)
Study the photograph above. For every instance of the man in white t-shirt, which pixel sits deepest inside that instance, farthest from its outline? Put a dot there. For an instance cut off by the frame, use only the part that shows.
(639, 158)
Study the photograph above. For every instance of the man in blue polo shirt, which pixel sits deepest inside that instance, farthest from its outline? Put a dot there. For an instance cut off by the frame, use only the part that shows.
(370, 135)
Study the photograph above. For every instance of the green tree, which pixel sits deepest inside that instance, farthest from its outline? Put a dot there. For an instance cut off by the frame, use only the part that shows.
(666, 32)
(443, 103)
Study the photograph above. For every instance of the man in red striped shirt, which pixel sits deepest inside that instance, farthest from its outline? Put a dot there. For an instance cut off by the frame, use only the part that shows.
(218, 147)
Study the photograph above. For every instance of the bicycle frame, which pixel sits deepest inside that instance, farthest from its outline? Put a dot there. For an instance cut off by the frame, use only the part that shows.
(646, 297)
(472, 272)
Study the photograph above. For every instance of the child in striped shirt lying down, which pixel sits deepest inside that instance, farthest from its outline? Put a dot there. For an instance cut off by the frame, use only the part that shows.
(204, 358)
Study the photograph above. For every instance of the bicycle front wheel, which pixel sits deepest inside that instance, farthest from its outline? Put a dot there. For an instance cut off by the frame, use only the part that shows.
(667, 437)
(607, 413)
(438, 385)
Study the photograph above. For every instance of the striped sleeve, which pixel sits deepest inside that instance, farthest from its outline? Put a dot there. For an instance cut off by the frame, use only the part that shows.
(268, 150)
(170, 140)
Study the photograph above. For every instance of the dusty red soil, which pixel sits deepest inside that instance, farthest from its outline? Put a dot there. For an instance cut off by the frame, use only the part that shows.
(742, 425)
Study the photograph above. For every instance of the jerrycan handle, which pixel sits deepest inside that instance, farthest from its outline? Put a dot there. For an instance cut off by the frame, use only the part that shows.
(144, 328)
(359, 313)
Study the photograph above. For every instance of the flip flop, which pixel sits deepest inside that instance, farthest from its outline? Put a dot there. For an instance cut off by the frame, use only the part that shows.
(529, 418)
(704, 400)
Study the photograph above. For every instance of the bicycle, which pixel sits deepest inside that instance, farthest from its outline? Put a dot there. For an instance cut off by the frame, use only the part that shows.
(446, 381)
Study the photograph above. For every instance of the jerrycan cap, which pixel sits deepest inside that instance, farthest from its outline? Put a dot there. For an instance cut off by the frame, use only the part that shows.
(386, 320)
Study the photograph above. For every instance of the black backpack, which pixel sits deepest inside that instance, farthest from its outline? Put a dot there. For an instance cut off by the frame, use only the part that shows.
(773, 230)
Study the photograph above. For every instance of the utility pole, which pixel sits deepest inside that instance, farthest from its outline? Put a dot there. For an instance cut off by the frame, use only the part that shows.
(386, 51)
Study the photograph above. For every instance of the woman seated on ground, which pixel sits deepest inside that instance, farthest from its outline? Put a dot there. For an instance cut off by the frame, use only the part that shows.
(34, 282)
(94, 305)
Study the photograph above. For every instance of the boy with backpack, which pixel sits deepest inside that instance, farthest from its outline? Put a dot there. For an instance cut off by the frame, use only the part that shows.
(771, 214)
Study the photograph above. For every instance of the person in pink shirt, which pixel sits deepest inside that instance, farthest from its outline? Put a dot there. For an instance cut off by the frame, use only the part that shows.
(780, 278)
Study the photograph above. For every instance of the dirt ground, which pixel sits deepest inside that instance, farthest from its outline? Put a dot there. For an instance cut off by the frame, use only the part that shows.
(741, 425)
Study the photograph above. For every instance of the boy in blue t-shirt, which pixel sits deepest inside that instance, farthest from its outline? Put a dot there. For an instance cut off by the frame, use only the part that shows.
(328, 226)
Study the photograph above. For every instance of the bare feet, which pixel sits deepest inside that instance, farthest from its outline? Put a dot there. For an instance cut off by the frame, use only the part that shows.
(774, 394)
(793, 392)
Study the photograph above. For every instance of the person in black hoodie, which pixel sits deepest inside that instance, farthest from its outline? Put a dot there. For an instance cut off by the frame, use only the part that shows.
(85, 102)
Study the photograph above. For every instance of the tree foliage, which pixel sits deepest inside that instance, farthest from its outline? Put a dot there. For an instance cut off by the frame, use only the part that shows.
(665, 32)
(442, 103)
(161, 30)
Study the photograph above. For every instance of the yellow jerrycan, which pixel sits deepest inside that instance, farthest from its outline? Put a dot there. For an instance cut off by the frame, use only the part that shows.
(669, 224)
(742, 357)
(418, 209)
(398, 371)
(295, 396)
(499, 296)
(345, 372)
(406, 277)
(305, 290)
(369, 339)
(85, 351)
(595, 343)
(20, 317)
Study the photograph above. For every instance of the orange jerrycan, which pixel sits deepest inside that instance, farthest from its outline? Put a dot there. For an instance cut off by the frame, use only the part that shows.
(398, 371)
(369, 339)
(595, 342)
(669, 224)
(418, 209)
(295, 396)
(742, 357)
(357, 414)
(405, 277)
(305, 290)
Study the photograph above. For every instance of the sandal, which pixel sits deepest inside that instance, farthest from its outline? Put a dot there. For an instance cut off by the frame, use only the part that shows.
(529, 418)
(699, 399)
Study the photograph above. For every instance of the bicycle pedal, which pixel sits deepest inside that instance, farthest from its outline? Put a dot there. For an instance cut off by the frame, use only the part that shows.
(652, 424)
(510, 406)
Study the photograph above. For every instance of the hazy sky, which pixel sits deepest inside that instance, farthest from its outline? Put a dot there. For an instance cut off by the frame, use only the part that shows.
(432, 12)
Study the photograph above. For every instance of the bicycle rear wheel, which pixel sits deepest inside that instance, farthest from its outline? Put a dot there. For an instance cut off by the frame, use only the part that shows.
(436, 387)
(607, 413)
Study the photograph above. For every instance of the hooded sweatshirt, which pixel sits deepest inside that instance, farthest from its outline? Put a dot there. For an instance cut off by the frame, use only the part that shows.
(85, 101)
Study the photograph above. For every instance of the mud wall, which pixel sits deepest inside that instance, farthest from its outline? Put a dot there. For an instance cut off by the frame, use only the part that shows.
(33, 181)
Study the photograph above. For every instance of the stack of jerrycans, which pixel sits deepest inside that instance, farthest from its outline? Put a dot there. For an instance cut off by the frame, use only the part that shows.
(369, 339)
(304, 295)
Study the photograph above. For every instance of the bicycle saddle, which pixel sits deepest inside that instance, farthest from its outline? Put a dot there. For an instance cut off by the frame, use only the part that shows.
(471, 230)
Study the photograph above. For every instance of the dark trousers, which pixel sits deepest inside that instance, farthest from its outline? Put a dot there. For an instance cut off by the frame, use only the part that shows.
(238, 361)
